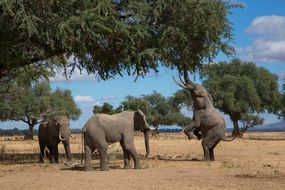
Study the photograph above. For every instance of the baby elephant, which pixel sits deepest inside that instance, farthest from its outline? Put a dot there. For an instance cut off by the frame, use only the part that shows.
(102, 129)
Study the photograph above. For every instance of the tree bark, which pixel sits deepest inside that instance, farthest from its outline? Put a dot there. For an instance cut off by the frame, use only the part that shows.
(32, 122)
(30, 134)
(236, 130)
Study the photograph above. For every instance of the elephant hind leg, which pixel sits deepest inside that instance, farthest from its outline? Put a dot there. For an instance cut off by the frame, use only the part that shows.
(206, 150)
(103, 156)
(127, 156)
(87, 163)
(211, 149)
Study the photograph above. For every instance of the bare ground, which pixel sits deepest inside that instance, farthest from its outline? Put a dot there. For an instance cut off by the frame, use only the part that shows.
(256, 161)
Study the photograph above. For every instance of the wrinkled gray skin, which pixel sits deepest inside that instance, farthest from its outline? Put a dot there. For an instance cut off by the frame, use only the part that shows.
(102, 129)
(212, 124)
(50, 133)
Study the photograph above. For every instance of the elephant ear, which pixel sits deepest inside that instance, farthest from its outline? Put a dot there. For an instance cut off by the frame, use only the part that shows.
(139, 120)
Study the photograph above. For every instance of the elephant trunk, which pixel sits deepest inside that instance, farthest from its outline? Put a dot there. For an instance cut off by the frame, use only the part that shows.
(67, 150)
(146, 140)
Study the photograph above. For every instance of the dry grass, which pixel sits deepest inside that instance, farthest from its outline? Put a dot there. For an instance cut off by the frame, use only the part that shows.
(245, 163)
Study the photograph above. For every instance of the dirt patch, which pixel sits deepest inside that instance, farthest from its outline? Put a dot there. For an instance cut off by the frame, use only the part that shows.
(175, 163)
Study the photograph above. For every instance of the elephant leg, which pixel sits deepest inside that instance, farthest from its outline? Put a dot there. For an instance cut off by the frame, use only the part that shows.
(103, 156)
(211, 150)
(55, 153)
(51, 154)
(126, 156)
(42, 153)
(187, 130)
(206, 150)
(130, 147)
(87, 163)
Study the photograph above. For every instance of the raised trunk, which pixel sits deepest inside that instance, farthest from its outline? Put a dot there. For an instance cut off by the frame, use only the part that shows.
(146, 141)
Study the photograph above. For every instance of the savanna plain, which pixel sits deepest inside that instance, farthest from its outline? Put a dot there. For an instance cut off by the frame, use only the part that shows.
(256, 161)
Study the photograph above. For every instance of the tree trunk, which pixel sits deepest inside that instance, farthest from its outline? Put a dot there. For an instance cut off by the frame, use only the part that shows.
(30, 134)
(236, 130)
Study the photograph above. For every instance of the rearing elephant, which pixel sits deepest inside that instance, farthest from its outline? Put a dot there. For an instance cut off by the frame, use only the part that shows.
(205, 118)
(102, 129)
(50, 133)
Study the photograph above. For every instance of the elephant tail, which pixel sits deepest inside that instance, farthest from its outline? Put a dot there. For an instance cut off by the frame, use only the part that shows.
(82, 151)
(224, 138)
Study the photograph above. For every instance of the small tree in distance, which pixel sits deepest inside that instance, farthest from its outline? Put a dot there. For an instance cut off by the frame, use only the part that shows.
(32, 103)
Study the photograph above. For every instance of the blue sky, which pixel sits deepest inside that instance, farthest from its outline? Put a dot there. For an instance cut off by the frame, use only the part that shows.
(259, 33)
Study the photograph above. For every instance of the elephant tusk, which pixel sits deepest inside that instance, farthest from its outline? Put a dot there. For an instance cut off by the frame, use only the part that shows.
(182, 86)
(181, 80)
(60, 138)
(72, 137)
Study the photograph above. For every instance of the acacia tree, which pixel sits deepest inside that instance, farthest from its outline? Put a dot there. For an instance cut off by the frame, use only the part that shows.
(109, 37)
(241, 88)
(31, 103)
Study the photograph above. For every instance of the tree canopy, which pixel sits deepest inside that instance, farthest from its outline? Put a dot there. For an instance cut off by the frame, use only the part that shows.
(31, 103)
(108, 38)
(241, 88)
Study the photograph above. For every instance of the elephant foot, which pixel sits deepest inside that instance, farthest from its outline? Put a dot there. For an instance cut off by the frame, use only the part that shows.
(199, 136)
(105, 168)
(190, 136)
(206, 159)
(127, 167)
(88, 168)
(138, 167)
(212, 159)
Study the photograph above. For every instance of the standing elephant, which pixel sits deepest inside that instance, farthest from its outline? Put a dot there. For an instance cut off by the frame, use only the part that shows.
(205, 118)
(102, 129)
(50, 133)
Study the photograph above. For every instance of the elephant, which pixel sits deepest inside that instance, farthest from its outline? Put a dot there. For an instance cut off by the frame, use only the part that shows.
(103, 129)
(206, 118)
(51, 132)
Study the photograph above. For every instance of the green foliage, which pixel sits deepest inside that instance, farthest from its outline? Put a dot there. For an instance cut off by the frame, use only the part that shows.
(106, 108)
(193, 31)
(109, 37)
(241, 88)
(31, 103)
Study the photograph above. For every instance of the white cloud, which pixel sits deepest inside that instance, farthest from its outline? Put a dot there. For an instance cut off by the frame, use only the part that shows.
(77, 75)
(269, 44)
(109, 98)
(80, 98)
(267, 25)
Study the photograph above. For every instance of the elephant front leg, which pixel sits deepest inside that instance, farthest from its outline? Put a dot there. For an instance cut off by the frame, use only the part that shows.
(42, 153)
(54, 154)
(103, 157)
(87, 163)
(126, 156)
(134, 155)
(187, 130)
